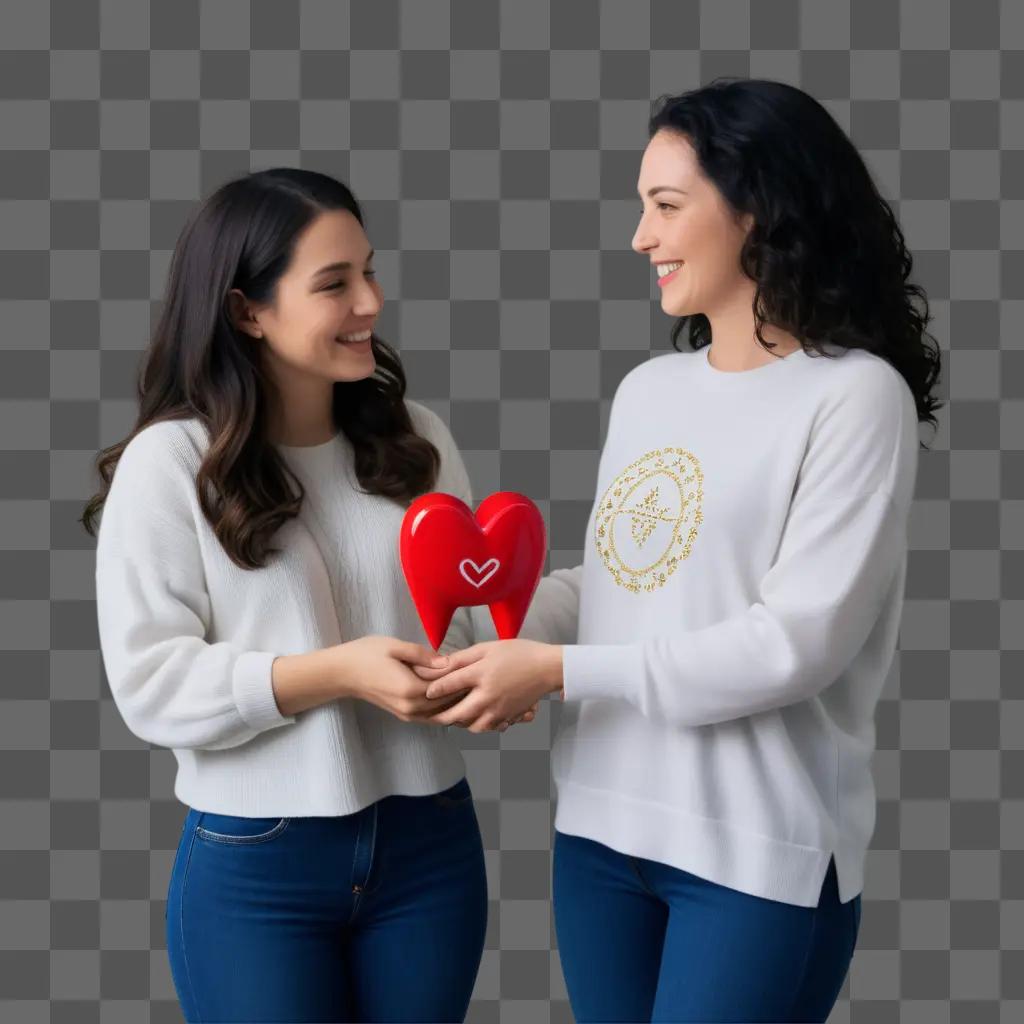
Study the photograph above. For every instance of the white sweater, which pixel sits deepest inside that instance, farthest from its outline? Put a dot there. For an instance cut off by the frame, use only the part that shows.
(188, 638)
(729, 631)
(734, 618)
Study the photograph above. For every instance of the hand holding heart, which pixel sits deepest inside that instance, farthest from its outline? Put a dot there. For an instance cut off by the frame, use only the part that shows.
(454, 558)
(501, 679)
(378, 669)
(430, 674)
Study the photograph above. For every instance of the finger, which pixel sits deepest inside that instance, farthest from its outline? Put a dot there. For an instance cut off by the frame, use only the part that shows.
(487, 723)
(431, 674)
(478, 717)
(467, 656)
(419, 654)
(468, 709)
(428, 712)
(526, 716)
(452, 682)
(435, 707)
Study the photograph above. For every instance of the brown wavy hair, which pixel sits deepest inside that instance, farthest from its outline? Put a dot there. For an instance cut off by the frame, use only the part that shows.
(198, 365)
(826, 251)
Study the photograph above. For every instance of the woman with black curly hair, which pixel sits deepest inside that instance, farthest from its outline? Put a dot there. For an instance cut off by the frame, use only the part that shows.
(722, 647)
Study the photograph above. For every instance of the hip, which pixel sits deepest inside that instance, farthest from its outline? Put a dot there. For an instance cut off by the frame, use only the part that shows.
(322, 862)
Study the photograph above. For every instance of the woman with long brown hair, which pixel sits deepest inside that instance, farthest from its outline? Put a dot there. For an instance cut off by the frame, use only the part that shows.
(330, 844)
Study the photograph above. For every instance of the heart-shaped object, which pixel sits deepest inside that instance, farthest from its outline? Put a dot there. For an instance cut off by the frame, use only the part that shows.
(453, 559)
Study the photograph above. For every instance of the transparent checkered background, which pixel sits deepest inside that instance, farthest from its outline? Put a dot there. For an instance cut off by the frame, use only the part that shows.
(495, 148)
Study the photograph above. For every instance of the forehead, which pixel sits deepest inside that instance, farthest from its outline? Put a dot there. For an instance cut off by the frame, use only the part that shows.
(332, 236)
(669, 157)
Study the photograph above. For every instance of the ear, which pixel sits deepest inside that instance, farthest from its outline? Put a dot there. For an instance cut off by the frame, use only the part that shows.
(242, 315)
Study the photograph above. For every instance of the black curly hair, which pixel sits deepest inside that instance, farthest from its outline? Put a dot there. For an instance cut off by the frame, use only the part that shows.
(825, 250)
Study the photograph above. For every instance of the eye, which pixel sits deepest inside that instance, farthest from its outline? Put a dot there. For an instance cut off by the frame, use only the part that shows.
(664, 206)
(338, 285)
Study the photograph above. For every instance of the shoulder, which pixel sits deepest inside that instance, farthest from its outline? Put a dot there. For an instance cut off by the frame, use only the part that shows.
(165, 448)
(427, 423)
(153, 488)
(865, 389)
(637, 378)
(453, 476)
(865, 423)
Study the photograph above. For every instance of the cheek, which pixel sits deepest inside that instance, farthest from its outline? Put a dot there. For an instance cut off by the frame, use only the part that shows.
(303, 321)
(330, 315)
(710, 252)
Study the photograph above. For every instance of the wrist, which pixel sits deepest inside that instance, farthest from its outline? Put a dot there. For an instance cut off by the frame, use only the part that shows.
(554, 677)
(339, 669)
(300, 682)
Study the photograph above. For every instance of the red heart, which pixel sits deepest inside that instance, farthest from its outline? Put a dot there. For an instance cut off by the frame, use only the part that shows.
(453, 559)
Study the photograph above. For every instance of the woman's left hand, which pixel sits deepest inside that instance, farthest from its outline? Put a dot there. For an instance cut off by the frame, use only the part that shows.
(502, 679)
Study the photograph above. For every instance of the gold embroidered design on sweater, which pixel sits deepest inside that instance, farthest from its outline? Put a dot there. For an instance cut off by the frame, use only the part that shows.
(654, 504)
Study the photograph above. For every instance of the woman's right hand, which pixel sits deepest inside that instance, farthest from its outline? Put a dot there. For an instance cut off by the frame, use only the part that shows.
(378, 669)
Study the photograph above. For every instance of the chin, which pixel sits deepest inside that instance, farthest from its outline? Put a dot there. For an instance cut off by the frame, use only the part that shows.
(675, 308)
(353, 373)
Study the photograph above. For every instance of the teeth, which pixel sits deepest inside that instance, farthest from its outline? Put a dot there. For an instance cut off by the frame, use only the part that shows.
(667, 268)
(361, 336)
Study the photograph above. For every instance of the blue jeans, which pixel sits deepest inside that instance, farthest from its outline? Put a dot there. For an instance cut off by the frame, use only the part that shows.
(644, 941)
(374, 916)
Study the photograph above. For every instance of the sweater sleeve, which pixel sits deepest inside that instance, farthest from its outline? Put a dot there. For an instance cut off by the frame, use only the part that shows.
(554, 611)
(842, 546)
(172, 687)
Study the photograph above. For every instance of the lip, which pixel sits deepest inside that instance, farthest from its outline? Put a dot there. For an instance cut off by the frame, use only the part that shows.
(662, 281)
(359, 346)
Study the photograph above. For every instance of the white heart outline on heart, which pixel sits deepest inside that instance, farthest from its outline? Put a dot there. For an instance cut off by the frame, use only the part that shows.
(479, 569)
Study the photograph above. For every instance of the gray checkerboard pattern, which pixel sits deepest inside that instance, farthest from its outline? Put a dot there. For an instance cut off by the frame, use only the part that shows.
(496, 148)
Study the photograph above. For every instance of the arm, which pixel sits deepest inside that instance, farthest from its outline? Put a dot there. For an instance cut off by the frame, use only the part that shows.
(171, 686)
(843, 544)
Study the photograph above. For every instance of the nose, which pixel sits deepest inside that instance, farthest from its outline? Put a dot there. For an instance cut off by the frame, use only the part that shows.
(367, 299)
(643, 240)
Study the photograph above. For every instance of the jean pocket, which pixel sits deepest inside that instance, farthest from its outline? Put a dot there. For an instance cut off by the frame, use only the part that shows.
(230, 828)
(458, 795)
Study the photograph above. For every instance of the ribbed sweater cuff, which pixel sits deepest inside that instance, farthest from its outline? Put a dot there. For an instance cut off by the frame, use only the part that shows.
(253, 690)
(599, 671)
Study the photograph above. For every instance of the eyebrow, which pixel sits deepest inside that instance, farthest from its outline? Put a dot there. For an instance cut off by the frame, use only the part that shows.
(664, 188)
(342, 265)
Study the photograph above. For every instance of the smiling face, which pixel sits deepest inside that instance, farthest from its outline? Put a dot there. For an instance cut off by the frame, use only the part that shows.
(325, 306)
(686, 221)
